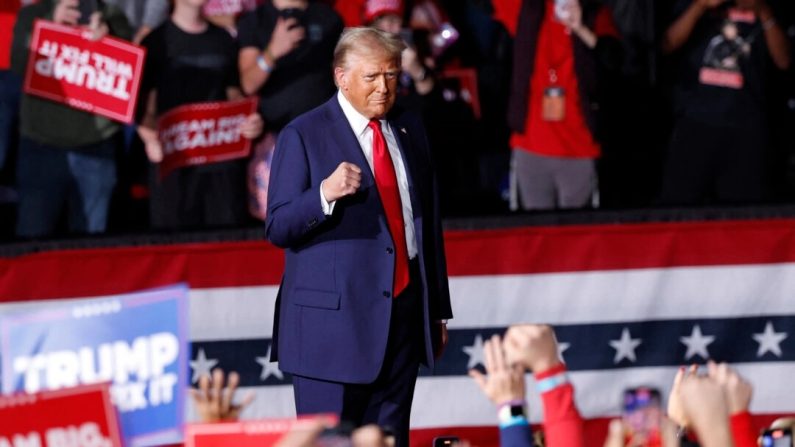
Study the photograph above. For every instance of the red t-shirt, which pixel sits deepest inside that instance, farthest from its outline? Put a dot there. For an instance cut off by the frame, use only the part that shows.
(554, 67)
(563, 425)
(8, 15)
(506, 12)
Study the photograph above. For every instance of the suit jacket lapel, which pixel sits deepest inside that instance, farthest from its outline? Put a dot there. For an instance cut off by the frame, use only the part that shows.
(342, 134)
(409, 161)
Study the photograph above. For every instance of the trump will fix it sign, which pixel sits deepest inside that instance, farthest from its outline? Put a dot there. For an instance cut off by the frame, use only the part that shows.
(100, 77)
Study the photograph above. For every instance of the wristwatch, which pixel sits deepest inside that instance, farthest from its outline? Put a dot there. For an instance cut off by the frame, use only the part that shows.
(263, 64)
(509, 413)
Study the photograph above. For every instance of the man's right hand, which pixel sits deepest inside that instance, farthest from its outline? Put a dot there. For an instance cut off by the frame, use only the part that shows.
(344, 181)
(66, 12)
(533, 346)
(286, 36)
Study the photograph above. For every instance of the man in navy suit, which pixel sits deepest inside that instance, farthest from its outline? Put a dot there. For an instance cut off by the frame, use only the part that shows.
(352, 198)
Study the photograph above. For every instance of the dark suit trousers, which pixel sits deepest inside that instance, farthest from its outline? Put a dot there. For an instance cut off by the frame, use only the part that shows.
(387, 401)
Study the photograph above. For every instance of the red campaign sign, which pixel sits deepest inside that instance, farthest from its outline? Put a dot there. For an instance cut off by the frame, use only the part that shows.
(264, 433)
(79, 416)
(199, 134)
(100, 77)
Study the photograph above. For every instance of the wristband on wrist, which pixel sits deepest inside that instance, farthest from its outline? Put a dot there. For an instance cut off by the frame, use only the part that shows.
(511, 403)
(263, 64)
(550, 383)
(512, 414)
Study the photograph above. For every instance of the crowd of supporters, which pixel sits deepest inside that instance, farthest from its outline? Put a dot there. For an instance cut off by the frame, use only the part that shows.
(707, 406)
(528, 104)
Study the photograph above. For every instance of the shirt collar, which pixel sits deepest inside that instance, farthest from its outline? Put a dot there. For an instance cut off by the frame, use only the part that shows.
(357, 121)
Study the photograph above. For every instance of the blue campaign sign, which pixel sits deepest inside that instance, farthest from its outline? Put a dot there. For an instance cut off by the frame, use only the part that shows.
(138, 342)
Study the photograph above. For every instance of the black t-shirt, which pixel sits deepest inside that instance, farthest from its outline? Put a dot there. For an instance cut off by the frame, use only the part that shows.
(187, 68)
(302, 79)
(723, 68)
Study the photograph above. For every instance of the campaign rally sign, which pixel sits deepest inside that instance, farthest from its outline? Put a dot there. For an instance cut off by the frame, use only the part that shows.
(262, 433)
(203, 133)
(74, 417)
(138, 342)
(100, 77)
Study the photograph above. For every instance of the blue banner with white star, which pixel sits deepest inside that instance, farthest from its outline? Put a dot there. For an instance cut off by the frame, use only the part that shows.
(138, 342)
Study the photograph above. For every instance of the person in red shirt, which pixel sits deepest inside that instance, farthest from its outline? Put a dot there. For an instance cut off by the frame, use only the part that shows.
(554, 101)
(530, 347)
(737, 392)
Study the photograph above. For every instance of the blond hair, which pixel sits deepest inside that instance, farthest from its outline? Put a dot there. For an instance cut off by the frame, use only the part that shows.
(366, 40)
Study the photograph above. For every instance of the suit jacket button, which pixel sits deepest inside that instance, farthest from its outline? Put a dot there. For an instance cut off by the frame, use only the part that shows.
(387, 294)
(389, 250)
(312, 223)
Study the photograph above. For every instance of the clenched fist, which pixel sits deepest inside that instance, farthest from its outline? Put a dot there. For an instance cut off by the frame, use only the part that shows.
(344, 181)
(532, 346)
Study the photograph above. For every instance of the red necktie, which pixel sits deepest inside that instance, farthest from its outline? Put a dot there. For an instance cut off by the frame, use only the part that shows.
(386, 182)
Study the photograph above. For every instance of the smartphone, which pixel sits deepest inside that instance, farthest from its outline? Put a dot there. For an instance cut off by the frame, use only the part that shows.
(642, 415)
(446, 441)
(86, 8)
(294, 13)
(779, 437)
(445, 36)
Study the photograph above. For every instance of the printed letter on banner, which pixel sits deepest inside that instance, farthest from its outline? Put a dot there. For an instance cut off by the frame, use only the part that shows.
(204, 133)
(77, 417)
(100, 77)
(137, 342)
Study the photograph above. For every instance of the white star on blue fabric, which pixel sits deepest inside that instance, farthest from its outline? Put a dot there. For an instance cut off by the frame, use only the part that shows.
(269, 368)
(697, 343)
(475, 353)
(201, 366)
(625, 347)
(769, 341)
(562, 347)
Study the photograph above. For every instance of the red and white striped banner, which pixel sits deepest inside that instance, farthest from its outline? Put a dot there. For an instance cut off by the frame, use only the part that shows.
(631, 302)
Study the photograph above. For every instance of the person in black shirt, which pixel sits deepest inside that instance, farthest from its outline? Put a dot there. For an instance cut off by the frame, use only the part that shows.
(286, 47)
(725, 49)
(188, 61)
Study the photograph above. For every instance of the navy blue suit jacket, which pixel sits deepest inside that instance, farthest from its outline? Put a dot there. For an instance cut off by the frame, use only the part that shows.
(332, 314)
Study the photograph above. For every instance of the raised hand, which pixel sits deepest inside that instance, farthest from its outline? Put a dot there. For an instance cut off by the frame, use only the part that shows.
(344, 181)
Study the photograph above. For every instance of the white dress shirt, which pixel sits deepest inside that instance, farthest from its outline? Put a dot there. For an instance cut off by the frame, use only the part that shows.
(360, 125)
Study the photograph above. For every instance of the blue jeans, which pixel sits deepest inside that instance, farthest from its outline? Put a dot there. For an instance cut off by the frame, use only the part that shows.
(10, 85)
(51, 179)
